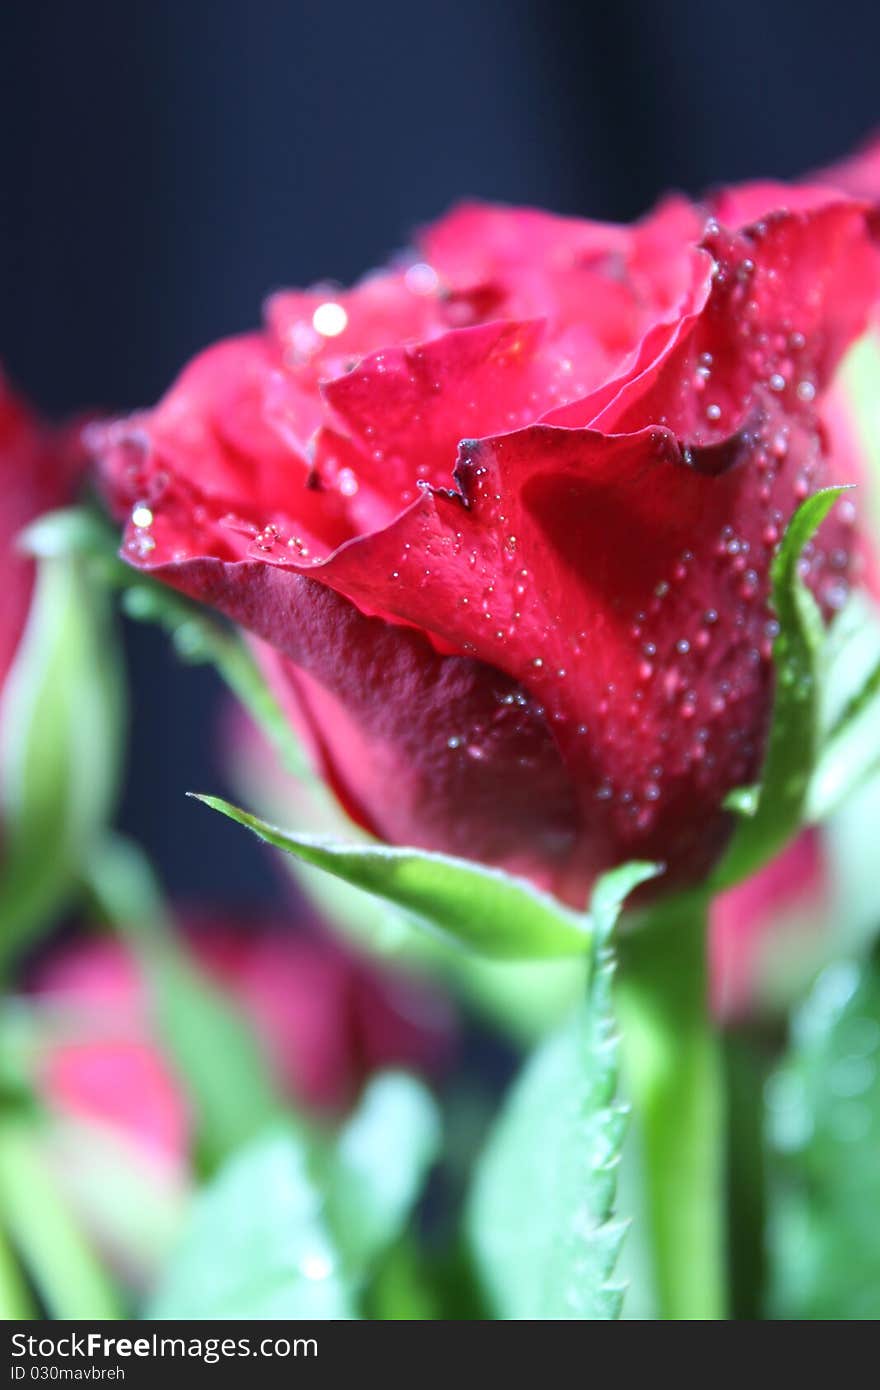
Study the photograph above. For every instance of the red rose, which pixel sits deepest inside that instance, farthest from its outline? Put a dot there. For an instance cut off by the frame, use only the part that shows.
(327, 1022)
(503, 517)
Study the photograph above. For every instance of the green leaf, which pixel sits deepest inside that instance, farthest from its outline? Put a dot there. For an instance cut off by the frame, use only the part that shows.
(379, 1165)
(258, 1245)
(45, 1232)
(61, 732)
(610, 892)
(211, 1044)
(523, 998)
(824, 1124)
(541, 1221)
(794, 732)
(635, 1267)
(476, 906)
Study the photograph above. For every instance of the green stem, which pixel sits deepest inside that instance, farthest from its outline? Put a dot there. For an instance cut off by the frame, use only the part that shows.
(60, 1260)
(672, 1067)
(745, 1071)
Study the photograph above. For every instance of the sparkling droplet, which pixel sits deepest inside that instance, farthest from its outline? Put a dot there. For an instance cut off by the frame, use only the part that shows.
(421, 278)
(329, 319)
(142, 543)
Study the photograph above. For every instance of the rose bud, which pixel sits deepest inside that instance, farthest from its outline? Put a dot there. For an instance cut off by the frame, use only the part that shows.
(502, 517)
(121, 1126)
(326, 1019)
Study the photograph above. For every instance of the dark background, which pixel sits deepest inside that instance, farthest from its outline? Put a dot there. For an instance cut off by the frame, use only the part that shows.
(167, 162)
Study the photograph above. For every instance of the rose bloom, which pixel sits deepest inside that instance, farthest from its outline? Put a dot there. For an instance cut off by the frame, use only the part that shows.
(326, 1021)
(500, 518)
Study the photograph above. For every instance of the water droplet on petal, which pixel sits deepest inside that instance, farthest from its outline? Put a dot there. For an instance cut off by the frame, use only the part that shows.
(329, 319)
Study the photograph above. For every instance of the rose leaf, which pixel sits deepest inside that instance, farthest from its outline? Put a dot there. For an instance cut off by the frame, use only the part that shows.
(479, 907)
(794, 730)
(258, 1244)
(541, 1218)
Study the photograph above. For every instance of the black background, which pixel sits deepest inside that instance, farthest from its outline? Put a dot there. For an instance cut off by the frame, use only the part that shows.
(167, 162)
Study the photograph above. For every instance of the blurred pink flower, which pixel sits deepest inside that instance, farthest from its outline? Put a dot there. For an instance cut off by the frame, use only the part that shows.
(38, 469)
(787, 895)
(326, 1019)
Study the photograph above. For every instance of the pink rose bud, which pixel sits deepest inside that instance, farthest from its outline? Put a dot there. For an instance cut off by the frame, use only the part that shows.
(326, 1019)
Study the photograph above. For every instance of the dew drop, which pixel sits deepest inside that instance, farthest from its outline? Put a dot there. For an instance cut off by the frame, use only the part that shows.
(142, 544)
(329, 319)
(348, 483)
(421, 278)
